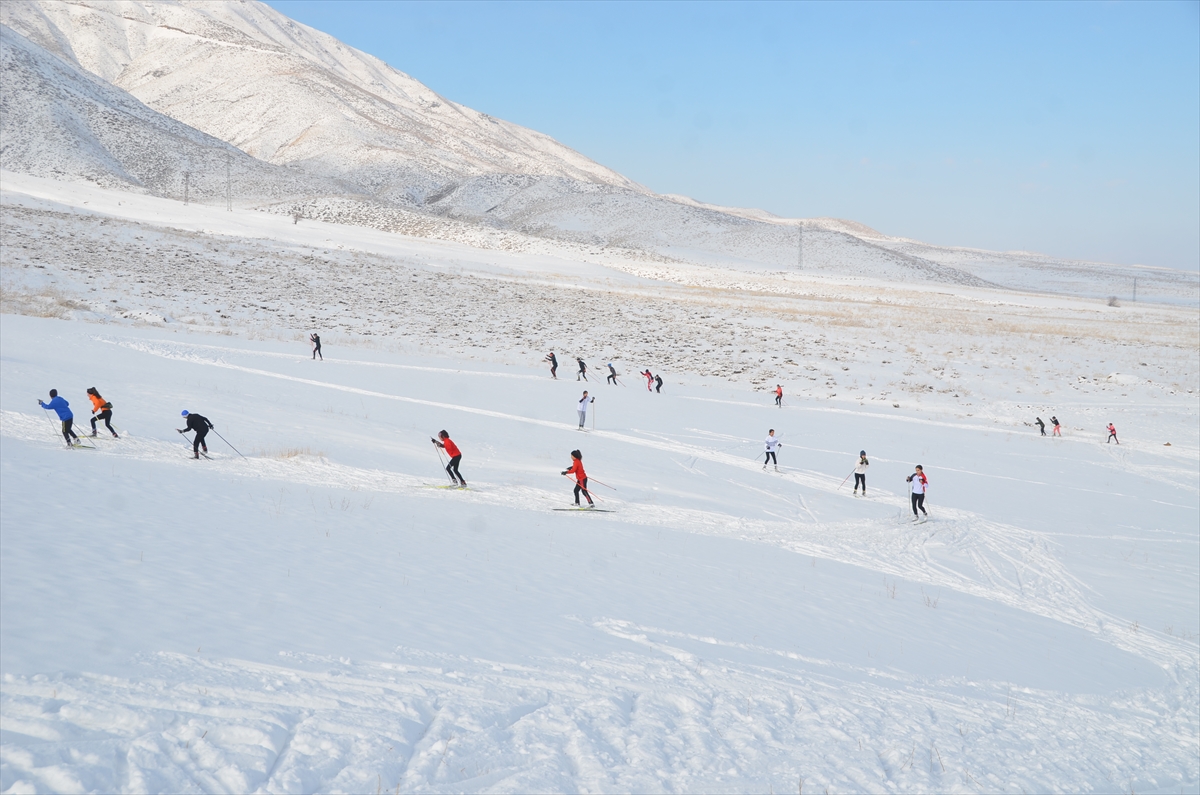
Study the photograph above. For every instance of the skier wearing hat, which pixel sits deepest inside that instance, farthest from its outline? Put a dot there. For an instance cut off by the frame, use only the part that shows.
(920, 485)
(455, 456)
(612, 374)
(201, 426)
(860, 472)
(576, 469)
(60, 407)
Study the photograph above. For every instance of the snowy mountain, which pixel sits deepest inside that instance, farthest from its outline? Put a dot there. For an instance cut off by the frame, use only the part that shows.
(326, 131)
(291, 95)
(62, 122)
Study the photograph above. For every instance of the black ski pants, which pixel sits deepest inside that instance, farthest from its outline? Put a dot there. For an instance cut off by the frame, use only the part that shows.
(199, 442)
(612, 378)
(68, 434)
(317, 352)
(581, 374)
(582, 486)
(770, 457)
(918, 501)
(452, 469)
(860, 478)
(105, 415)
(779, 401)
(1112, 437)
(553, 371)
(658, 386)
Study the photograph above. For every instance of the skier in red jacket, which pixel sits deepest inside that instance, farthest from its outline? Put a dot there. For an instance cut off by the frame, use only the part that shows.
(576, 469)
(455, 456)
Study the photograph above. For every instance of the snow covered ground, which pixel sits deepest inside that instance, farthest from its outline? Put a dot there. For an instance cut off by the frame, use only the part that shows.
(317, 616)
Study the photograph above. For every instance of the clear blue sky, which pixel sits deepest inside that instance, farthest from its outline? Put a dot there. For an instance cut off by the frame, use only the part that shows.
(1068, 128)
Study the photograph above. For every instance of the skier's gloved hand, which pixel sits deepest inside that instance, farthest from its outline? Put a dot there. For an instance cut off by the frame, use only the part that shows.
(565, 471)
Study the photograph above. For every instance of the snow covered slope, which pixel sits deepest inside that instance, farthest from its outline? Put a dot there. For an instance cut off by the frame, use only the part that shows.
(319, 616)
(288, 94)
(62, 122)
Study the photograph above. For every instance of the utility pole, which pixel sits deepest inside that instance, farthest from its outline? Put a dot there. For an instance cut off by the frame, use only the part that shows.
(228, 190)
(800, 251)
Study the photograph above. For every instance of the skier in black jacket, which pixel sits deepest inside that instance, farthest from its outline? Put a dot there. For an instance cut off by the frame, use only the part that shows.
(201, 426)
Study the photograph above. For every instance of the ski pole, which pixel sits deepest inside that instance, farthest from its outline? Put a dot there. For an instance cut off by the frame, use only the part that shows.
(444, 464)
(602, 483)
(843, 483)
(223, 439)
(585, 489)
(52, 428)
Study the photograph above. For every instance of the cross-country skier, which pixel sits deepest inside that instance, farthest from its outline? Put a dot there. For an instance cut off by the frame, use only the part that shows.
(101, 410)
(1112, 434)
(553, 365)
(860, 472)
(455, 456)
(1057, 426)
(658, 383)
(649, 379)
(576, 469)
(771, 444)
(315, 339)
(612, 375)
(584, 402)
(779, 395)
(920, 484)
(63, 409)
(1041, 425)
(201, 426)
(582, 369)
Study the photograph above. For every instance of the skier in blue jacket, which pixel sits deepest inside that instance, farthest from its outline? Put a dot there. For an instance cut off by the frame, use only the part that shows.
(63, 410)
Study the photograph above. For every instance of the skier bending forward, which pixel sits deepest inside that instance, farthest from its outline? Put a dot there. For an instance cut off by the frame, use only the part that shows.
(60, 407)
(576, 469)
(101, 410)
(201, 426)
(920, 484)
(455, 456)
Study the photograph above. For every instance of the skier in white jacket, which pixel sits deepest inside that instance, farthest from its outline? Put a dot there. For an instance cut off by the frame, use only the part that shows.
(584, 402)
(770, 445)
(860, 472)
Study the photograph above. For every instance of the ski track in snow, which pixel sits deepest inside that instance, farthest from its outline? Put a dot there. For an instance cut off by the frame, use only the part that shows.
(957, 550)
(668, 720)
